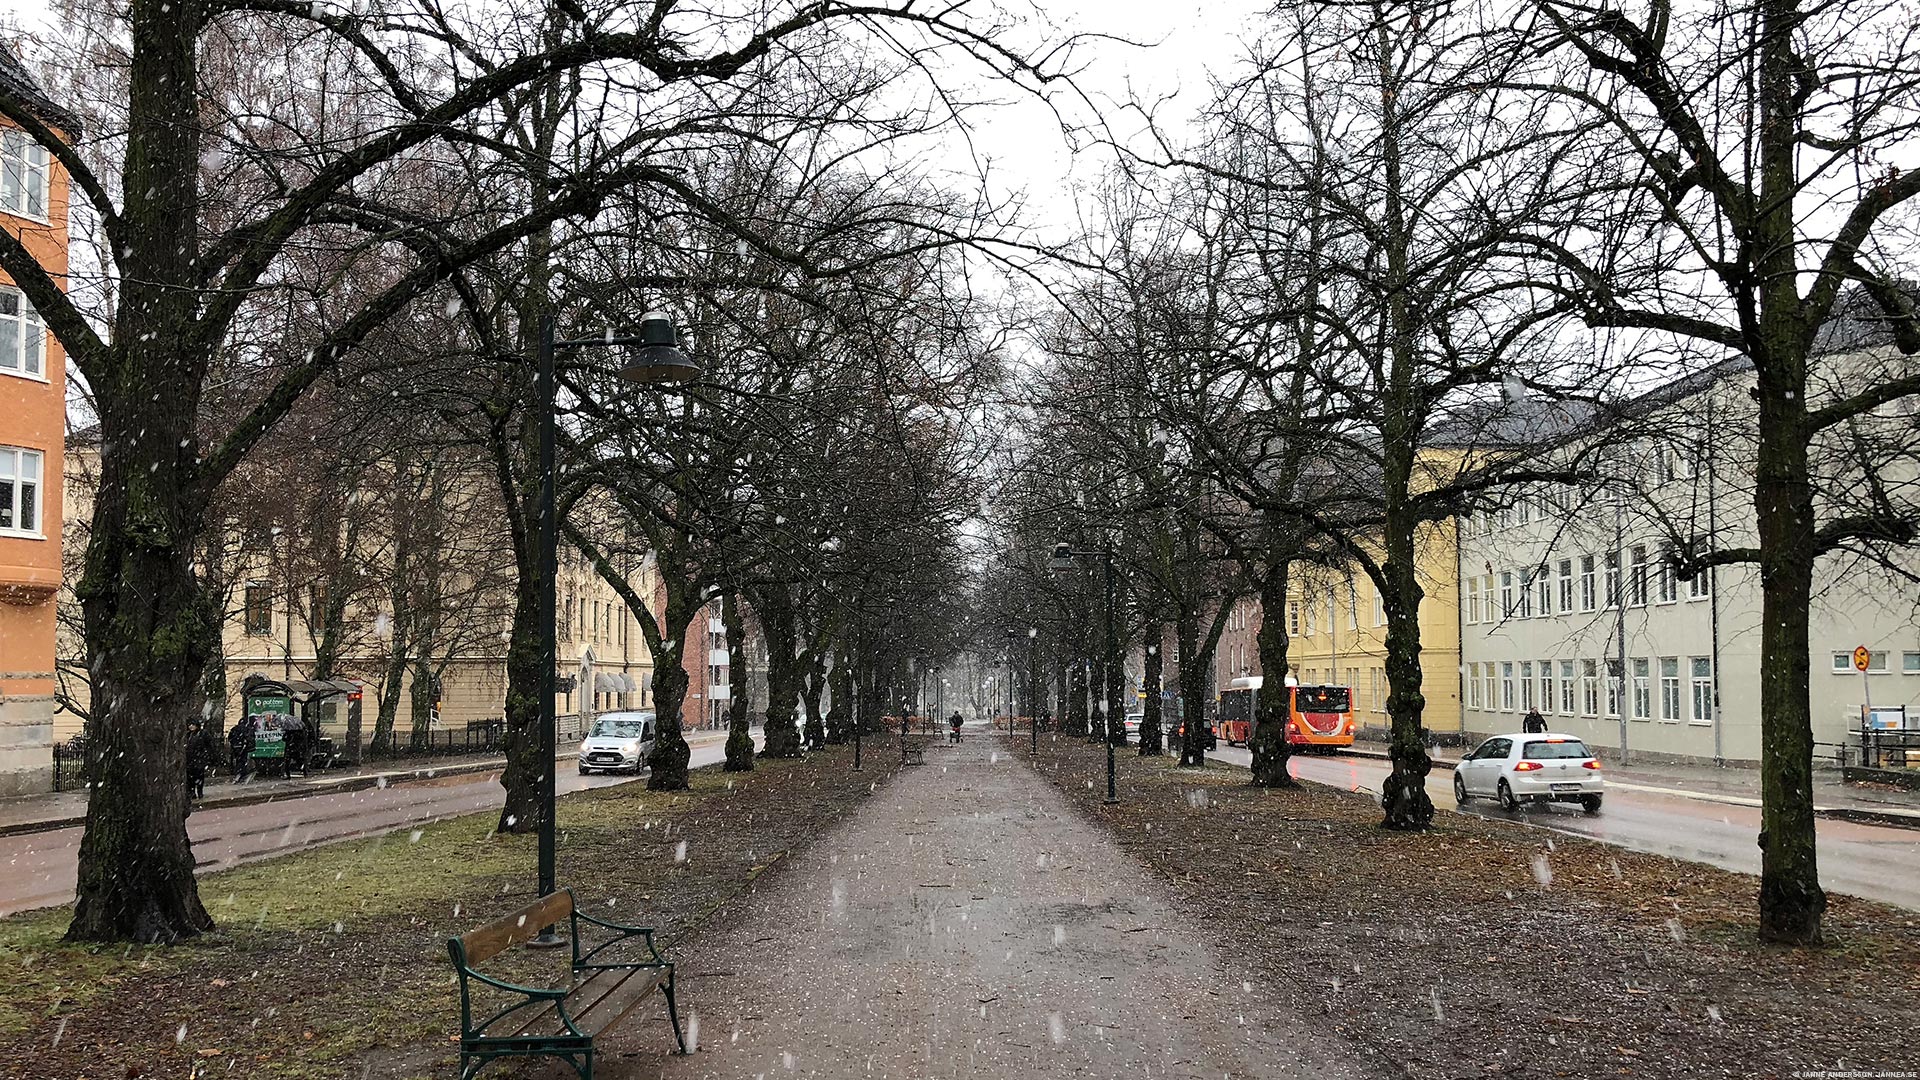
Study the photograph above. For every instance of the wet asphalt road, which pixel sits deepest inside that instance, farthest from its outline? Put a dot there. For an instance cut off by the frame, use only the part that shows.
(1872, 861)
(40, 868)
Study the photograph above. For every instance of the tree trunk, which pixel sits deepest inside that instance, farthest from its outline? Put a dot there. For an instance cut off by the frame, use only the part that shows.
(814, 687)
(1792, 903)
(1152, 732)
(667, 764)
(780, 736)
(420, 702)
(739, 715)
(1269, 739)
(1403, 795)
(1193, 692)
(839, 697)
(526, 661)
(146, 620)
(1077, 698)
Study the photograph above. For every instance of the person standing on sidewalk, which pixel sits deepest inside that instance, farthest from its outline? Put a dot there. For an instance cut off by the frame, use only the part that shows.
(1534, 723)
(240, 746)
(199, 759)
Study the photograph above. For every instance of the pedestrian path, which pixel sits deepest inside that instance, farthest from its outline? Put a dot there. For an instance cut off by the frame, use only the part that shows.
(968, 922)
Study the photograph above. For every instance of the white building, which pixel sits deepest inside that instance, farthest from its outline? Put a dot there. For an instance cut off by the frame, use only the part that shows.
(1674, 671)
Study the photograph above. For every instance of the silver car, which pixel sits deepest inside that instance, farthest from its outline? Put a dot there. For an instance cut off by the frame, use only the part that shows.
(1534, 767)
(618, 741)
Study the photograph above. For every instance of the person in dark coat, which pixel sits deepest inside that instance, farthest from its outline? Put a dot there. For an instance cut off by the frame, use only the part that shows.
(955, 721)
(1534, 723)
(240, 747)
(199, 759)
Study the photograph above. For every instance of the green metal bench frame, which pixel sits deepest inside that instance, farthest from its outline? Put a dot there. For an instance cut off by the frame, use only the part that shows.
(571, 1044)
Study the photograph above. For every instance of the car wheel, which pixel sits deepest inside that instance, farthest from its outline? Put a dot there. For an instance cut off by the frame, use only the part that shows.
(1590, 803)
(1459, 790)
(584, 770)
(1507, 801)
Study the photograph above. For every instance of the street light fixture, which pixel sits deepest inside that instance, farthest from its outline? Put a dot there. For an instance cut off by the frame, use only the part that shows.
(1065, 559)
(656, 360)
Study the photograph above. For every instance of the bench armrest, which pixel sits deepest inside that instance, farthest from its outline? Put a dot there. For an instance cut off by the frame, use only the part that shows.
(623, 932)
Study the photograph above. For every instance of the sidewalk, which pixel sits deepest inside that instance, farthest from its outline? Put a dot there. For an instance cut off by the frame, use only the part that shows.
(66, 809)
(1731, 785)
(968, 921)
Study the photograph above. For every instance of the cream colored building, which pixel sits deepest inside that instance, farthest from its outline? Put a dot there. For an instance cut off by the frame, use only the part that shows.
(1572, 606)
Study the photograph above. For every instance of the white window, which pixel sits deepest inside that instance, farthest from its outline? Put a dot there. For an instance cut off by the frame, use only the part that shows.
(1588, 593)
(1523, 510)
(1506, 686)
(1377, 679)
(1642, 688)
(1379, 608)
(1670, 688)
(1526, 595)
(1669, 579)
(1616, 679)
(1701, 586)
(1473, 599)
(1910, 662)
(1613, 579)
(1473, 686)
(20, 491)
(1566, 586)
(1293, 617)
(23, 175)
(1702, 669)
(1545, 583)
(1637, 577)
(1566, 688)
(1353, 604)
(1546, 686)
(1526, 684)
(23, 340)
(1843, 662)
(1589, 688)
(1486, 675)
(1506, 594)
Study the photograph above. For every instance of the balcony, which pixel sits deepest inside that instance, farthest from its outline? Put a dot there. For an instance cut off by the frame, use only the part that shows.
(719, 658)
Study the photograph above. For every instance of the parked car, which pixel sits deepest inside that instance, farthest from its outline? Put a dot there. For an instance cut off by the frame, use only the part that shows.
(1208, 741)
(618, 741)
(1132, 724)
(1539, 767)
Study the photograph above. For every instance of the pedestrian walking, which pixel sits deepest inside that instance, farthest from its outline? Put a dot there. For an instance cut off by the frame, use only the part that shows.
(240, 748)
(1534, 722)
(955, 721)
(199, 759)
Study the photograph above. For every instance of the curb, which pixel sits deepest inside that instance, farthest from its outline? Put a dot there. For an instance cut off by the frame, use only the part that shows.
(1895, 817)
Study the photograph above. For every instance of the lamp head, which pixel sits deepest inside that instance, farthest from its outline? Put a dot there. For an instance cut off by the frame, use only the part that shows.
(658, 359)
(1062, 560)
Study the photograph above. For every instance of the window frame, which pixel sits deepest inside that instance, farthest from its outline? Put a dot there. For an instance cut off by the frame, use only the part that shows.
(1671, 710)
(1566, 586)
(1589, 584)
(27, 318)
(10, 139)
(17, 484)
(1702, 689)
(1506, 686)
(252, 591)
(1642, 668)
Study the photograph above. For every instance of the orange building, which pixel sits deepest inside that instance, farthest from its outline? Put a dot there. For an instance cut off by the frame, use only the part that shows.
(33, 207)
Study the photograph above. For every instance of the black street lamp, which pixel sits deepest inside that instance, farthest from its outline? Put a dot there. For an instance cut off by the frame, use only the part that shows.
(1010, 702)
(1065, 560)
(1033, 713)
(655, 358)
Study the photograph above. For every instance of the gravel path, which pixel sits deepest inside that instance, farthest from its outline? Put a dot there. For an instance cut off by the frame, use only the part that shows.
(968, 922)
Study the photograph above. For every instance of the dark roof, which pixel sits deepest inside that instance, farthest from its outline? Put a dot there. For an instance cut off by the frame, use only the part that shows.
(1858, 321)
(16, 80)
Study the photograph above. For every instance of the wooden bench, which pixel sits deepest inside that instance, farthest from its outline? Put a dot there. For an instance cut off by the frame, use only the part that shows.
(558, 1021)
(913, 751)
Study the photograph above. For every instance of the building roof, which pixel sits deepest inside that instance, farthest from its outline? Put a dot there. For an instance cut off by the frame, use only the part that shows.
(16, 80)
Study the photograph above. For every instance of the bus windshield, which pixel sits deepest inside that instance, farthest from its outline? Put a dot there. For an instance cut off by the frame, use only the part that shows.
(1321, 699)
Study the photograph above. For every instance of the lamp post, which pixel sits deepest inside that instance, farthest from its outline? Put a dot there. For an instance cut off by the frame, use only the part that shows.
(1064, 560)
(655, 358)
(1033, 713)
(1010, 703)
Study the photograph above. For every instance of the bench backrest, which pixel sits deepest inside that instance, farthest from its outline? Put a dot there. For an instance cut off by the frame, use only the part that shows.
(478, 946)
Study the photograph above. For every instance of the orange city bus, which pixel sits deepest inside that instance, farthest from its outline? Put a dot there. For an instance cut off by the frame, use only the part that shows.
(1322, 716)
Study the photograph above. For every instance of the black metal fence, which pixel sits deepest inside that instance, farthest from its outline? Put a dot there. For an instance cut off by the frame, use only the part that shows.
(69, 765)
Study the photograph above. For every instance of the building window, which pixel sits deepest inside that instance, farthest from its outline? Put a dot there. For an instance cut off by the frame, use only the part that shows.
(1473, 686)
(1910, 663)
(566, 620)
(257, 615)
(23, 340)
(1353, 604)
(1613, 579)
(1843, 662)
(1487, 684)
(1566, 688)
(1473, 599)
(23, 175)
(1506, 686)
(1526, 684)
(1702, 689)
(1506, 594)
(1523, 510)
(1308, 606)
(1566, 586)
(1293, 617)
(1588, 595)
(1642, 688)
(20, 491)
(1526, 595)
(1701, 585)
(1546, 592)
(1590, 688)
(1616, 686)
(1546, 686)
(1376, 682)
(1668, 579)
(1637, 580)
(1670, 688)
(1379, 608)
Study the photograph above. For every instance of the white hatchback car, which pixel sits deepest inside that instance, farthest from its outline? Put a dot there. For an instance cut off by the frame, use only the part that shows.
(1540, 767)
(618, 741)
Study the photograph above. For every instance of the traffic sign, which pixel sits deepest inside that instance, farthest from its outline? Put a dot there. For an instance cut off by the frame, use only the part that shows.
(1862, 658)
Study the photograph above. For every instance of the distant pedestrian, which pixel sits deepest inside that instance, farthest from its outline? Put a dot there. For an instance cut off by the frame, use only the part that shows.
(955, 721)
(199, 759)
(1534, 722)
